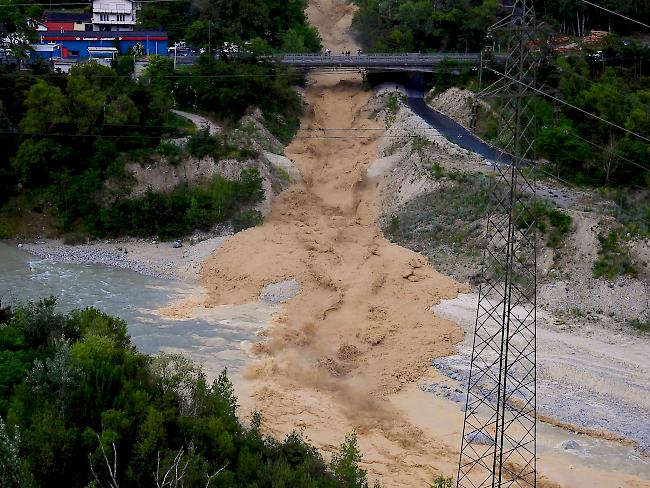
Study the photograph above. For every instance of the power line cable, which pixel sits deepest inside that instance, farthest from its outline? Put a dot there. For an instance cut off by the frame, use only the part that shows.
(616, 13)
(602, 148)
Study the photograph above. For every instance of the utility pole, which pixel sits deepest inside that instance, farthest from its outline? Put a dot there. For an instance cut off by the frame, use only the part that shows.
(498, 447)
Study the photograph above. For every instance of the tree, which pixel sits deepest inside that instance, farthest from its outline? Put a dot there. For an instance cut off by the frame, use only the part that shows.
(345, 464)
(46, 109)
(15, 30)
(563, 146)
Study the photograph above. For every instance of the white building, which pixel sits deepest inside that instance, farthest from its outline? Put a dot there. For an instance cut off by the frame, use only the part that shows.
(114, 15)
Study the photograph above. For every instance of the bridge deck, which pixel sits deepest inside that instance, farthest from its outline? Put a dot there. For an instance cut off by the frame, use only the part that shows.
(391, 60)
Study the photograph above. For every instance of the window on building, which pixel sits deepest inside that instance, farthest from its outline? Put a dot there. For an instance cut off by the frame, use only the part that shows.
(103, 17)
(121, 17)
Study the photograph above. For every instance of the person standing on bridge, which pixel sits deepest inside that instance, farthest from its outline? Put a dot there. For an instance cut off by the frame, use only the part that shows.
(328, 52)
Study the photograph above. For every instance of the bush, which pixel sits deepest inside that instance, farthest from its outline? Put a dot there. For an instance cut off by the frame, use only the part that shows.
(201, 144)
(246, 219)
(640, 325)
(393, 224)
(251, 186)
(613, 259)
(124, 65)
(553, 223)
(345, 464)
(442, 482)
(172, 152)
(81, 399)
(185, 208)
(437, 171)
(560, 224)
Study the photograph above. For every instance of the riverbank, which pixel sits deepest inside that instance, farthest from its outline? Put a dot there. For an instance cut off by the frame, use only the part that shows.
(148, 257)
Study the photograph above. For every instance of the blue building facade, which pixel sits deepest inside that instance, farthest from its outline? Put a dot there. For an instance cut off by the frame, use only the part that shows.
(75, 44)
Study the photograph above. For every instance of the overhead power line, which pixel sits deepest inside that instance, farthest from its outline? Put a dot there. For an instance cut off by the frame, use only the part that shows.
(563, 102)
(616, 13)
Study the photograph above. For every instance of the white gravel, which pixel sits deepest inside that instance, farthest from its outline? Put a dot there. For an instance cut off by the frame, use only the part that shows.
(280, 292)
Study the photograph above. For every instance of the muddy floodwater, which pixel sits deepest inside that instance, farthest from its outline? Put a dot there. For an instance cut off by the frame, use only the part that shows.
(220, 338)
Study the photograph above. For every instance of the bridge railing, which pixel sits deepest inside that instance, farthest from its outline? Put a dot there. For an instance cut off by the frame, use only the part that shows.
(370, 60)
(376, 59)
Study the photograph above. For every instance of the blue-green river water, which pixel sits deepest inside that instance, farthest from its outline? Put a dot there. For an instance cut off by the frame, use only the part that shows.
(216, 339)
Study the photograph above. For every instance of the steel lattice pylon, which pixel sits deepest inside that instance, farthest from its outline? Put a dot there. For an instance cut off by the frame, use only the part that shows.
(498, 444)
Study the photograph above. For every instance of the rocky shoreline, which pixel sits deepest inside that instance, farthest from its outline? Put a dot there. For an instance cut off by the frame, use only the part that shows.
(88, 254)
(150, 258)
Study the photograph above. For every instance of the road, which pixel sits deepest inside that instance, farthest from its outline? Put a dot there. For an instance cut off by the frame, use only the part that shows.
(422, 62)
(451, 129)
(199, 121)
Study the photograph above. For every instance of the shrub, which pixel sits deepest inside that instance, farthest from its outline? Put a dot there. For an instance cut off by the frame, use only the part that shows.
(251, 188)
(437, 171)
(553, 223)
(74, 403)
(246, 219)
(170, 215)
(345, 464)
(560, 224)
(392, 106)
(640, 325)
(201, 144)
(393, 224)
(613, 259)
(172, 152)
(442, 482)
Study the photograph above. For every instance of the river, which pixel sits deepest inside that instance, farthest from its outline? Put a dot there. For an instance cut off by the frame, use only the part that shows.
(218, 339)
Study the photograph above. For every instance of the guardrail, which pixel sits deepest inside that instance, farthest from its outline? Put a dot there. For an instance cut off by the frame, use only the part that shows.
(378, 59)
(373, 60)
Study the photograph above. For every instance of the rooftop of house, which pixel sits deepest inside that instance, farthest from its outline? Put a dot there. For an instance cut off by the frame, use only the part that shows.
(153, 35)
(54, 16)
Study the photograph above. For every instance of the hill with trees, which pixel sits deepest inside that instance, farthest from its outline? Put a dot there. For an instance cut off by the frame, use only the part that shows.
(65, 137)
(208, 24)
(451, 25)
(609, 78)
(80, 406)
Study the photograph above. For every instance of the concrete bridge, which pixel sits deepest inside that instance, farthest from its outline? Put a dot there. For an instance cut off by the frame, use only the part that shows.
(429, 62)
(381, 61)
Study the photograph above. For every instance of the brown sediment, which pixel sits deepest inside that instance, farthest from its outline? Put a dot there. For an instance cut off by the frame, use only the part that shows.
(361, 326)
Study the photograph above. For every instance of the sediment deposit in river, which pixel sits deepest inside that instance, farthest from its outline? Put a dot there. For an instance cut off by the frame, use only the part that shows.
(361, 327)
